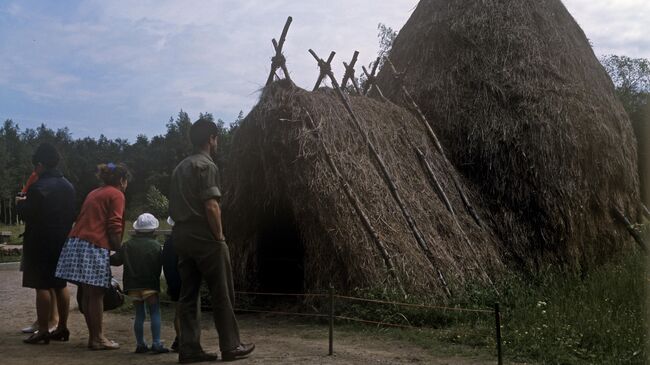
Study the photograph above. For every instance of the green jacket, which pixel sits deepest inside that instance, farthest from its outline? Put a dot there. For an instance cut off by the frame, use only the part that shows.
(142, 260)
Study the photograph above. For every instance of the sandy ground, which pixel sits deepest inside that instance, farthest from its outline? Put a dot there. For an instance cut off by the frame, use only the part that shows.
(278, 341)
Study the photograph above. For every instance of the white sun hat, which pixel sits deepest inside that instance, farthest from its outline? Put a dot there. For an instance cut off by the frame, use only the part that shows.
(146, 222)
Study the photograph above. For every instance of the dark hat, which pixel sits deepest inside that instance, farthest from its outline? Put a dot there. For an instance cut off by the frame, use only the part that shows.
(47, 155)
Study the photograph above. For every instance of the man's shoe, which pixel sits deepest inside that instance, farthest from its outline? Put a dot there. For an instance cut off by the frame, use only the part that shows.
(175, 345)
(239, 352)
(159, 349)
(141, 349)
(202, 357)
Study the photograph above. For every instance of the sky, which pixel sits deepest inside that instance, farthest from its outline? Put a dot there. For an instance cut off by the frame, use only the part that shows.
(122, 68)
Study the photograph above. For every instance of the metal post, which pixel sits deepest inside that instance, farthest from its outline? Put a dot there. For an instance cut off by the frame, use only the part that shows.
(497, 317)
(331, 294)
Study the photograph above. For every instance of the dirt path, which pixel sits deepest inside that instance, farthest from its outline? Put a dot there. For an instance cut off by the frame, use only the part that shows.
(278, 341)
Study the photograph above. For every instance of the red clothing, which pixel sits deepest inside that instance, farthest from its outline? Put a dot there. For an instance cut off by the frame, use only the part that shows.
(32, 179)
(102, 213)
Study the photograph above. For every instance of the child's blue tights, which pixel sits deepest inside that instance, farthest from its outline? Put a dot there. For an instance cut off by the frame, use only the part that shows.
(153, 304)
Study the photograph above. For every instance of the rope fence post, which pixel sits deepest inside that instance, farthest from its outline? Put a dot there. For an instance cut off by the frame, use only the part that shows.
(331, 320)
(497, 319)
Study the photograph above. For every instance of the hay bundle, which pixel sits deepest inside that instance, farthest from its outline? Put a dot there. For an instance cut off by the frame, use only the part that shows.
(524, 109)
(292, 225)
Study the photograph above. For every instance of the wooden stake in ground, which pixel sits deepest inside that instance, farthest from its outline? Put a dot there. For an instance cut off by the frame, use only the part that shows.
(326, 70)
(278, 61)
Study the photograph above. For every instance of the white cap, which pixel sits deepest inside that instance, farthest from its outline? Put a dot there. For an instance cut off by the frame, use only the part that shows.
(170, 221)
(146, 223)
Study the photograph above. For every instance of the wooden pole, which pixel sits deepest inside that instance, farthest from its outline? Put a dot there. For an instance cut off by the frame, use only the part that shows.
(331, 320)
(630, 228)
(278, 61)
(349, 73)
(325, 69)
(387, 178)
(356, 204)
(497, 319)
(438, 145)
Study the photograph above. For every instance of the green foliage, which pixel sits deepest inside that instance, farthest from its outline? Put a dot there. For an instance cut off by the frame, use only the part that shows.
(631, 77)
(151, 160)
(553, 317)
(157, 203)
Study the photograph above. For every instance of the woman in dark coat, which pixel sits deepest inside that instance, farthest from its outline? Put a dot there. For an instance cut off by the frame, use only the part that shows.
(48, 210)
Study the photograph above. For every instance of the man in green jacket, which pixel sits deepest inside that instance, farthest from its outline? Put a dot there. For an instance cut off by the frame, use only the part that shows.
(202, 251)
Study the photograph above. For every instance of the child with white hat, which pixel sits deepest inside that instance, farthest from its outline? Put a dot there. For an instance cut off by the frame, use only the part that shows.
(141, 257)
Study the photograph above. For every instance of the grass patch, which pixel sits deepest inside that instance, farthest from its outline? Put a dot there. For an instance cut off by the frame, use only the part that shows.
(16, 231)
(551, 318)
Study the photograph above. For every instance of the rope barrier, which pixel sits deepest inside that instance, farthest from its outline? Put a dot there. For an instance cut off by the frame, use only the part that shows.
(283, 294)
(283, 313)
(415, 305)
(375, 322)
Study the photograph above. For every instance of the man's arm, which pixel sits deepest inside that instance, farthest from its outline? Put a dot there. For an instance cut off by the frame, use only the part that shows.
(213, 215)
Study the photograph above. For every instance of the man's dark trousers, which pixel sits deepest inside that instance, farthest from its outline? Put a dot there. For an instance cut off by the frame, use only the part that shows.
(201, 256)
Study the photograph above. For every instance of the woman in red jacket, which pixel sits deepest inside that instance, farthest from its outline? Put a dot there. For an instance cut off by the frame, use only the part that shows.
(84, 259)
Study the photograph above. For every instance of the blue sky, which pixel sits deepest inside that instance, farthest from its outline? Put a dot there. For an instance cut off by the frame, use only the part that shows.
(122, 68)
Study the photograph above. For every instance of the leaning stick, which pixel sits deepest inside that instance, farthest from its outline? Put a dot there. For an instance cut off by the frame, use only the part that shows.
(434, 139)
(630, 228)
(438, 145)
(434, 180)
(357, 205)
(645, 210)
(387, 178)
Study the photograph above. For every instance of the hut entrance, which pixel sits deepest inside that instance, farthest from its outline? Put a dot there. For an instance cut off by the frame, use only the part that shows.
(280, 257)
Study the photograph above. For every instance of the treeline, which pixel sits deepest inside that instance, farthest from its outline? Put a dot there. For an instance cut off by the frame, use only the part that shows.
(151, 161)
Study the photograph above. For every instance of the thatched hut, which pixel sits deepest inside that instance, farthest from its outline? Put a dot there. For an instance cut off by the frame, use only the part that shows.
(307, 202)
(526, 111)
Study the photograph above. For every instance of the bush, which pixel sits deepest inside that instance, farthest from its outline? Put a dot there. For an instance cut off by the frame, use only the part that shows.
(157, 203)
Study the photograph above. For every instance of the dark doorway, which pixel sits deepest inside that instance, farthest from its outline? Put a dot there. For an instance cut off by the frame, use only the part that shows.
(280, 254)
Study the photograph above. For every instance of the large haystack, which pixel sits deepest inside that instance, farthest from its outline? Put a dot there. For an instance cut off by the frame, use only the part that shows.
(525, 109)
(292, 226)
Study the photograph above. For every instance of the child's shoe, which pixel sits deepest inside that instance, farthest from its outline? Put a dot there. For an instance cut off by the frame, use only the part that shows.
(141, 349)
(159, 349)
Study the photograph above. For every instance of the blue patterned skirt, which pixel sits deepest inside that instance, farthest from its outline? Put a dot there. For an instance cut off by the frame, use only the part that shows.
(81, 262)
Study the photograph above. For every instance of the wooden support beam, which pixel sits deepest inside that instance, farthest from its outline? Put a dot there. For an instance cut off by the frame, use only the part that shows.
(356, 204)
(349, 73)
(387, 178)
(324, 66)
(620, 216)
(438, 145)
(371, 81)
(278, 61)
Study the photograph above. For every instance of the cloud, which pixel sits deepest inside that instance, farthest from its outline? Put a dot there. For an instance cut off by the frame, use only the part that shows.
(129, 65)
(614, 26)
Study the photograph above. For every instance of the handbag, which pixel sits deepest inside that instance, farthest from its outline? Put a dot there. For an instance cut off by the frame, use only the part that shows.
(113, 296)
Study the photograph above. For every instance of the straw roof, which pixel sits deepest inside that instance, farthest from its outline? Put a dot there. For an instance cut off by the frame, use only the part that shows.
(527, 112)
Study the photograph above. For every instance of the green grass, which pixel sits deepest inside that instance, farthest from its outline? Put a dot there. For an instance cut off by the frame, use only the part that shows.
(572, 319)
(16, 230)
(551, 318)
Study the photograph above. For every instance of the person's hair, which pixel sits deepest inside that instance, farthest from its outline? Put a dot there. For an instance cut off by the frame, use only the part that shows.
(47, 155)
(111, 173)
(201, 131)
